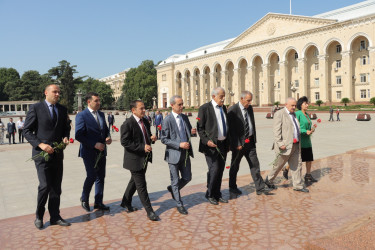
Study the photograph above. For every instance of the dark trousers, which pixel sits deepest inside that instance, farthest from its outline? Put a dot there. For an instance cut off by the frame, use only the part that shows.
(20, 135)
(50, 177)
(110, 126)
(94, 175)
(178, 183)
(138, 183)
(338, 117)
(331, 117)
(10, 136)
(216, 165)
(250, 153)
(158, 132)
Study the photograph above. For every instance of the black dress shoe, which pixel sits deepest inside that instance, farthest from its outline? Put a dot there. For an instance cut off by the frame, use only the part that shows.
(128, 207)
(285, 173)
(235, 191)
(85, 205)
(263, 191)
(182, 210)
(38, 223)
(222, 200)
(270, 185)
(152, 216)
(213, 201)
(309, 178)
(171, 191)
(305, 190)
(101, 206)
(61, 222)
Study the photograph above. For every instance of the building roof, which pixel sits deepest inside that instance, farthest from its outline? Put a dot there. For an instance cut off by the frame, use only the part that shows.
(349, 12)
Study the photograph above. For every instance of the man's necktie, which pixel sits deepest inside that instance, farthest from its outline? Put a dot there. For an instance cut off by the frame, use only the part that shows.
(181, 129)
(247, 126)
(295, 123)
(54, 115)
(97, 118)
(144, 132)
(223, 121)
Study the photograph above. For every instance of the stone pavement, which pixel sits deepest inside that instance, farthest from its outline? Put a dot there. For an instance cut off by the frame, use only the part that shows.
(338, 213)
(18, 178)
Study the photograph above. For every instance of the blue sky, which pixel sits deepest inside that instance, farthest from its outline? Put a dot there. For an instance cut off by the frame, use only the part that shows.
(105, 37)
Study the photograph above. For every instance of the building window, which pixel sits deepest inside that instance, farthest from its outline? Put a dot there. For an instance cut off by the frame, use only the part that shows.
(296, 55)
(278, 84)
(338, 48)
(316, 82)
(338, 79)
(338, 64)
(316, 52)
(362, 46)
(363, 77)
(296, 83)
(363, 93)
(316, 66)
(317, 96)
(164, 77)
(338, 95)
(296, 69)
(278, 59)
(368, 94)
(363, 60)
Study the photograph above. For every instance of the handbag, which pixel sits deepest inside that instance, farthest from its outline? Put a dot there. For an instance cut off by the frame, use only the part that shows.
(7, 135)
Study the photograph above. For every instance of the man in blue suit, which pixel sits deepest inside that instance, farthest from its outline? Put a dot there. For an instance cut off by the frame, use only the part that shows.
(158, 121)
(93, 134)
(175, 133)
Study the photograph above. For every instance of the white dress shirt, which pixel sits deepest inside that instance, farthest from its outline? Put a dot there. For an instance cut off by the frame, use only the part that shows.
(140, 126)
(295, 131)
(243, 110)
(220, 131)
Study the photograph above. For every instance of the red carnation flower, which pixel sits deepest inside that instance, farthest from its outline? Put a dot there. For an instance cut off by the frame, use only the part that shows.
(71, 140)
(319, 121)
(294, 140)
(227, 167)
(247, 140)
(198, 118)
(116, 129)
(159, 127)
(315, 125)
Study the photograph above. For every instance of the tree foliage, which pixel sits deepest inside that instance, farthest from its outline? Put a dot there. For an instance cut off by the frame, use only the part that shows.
(319, 102)
(7, 75)
(140, 83)
(372, 100)
(105, 92)
(345, 100)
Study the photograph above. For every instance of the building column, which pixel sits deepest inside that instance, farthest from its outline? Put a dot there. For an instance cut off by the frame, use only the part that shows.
(347, 79)
(202, 93)
(193, 87)
(266, 82)
(284, 83)
(302, 70)
(235, 85)
(372, 72)
(249, 79)
(324, 81)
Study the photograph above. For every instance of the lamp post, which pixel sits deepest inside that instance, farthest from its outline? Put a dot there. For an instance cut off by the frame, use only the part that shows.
(154, 102)
(231, 97)
(79, 97)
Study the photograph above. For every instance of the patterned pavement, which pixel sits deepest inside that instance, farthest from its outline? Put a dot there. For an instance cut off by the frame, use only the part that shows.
(338, 213)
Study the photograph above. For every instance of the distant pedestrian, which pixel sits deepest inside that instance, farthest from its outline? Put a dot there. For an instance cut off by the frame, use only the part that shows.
(2, 129)
(20, 124)
(11, 128)
(158, 120)
(338, 114)
(331, 114)
(111, 120)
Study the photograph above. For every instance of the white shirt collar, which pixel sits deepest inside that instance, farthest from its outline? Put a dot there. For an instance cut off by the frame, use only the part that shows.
(136, 118)
(91, 110)
(241, 106)
(214, 103)
(175, 115)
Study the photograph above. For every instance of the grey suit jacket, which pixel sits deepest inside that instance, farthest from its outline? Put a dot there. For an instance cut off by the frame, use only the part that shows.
(170, 136)
(283, 132)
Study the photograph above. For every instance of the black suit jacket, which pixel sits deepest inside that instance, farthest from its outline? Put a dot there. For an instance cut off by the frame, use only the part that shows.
(40, 129)
(237, 125)
(208, 129)
(133, 142)
(11, 127)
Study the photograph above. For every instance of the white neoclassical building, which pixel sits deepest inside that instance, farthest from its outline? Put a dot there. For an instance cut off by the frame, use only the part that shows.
(324, 57)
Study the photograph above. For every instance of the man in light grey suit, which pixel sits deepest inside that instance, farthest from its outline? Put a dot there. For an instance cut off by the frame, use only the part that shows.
(287, 146)
(175, 134)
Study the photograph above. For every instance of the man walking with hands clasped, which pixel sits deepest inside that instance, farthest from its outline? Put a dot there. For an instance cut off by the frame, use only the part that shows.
(175, 134)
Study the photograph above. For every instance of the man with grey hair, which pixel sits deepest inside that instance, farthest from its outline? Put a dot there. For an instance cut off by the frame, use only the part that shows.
(175, 134)
(214, 143)
(287, 146)
(243, 139)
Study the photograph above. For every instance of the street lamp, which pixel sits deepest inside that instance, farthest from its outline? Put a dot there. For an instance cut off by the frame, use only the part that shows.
(79, 97)
(154, 102)
(231, 97)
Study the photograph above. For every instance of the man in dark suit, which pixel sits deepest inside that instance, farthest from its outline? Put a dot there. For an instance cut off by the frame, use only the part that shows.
(158, 121)
(214, 143)
(93, 134)
(45, 124)
(11, 128)
(175, 133)
(242, 128)
(111, 120)
(136, 138)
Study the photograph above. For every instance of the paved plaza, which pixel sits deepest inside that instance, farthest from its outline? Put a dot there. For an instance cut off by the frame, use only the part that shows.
(337, 213)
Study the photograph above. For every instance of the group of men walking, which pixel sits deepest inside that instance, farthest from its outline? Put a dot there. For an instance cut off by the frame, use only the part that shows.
(219, 130)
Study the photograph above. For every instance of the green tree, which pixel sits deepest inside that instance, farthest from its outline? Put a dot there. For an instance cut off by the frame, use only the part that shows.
(319, 102)
(372, 100)
(64, 76)
(105, 92)
(120, 105)
(140, 83)
(276, 103)
(7, 75)
(345, 100)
